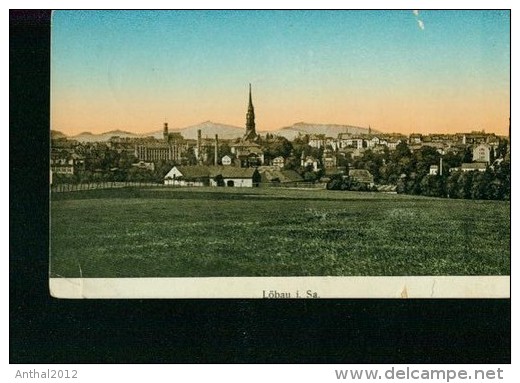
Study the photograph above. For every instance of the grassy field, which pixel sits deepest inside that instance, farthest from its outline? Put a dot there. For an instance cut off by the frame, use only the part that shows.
(202, 232)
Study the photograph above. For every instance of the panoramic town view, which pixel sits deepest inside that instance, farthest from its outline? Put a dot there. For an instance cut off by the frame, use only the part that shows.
(400, 165)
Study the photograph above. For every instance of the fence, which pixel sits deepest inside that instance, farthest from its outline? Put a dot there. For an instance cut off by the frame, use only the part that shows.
(299, 185)
(60, 188)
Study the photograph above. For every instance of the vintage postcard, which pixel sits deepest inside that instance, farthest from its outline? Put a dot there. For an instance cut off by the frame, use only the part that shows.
(280, 154)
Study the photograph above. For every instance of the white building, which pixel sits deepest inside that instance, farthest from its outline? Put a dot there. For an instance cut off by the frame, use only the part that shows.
(226, 160)
(350, 142)
(309, 161)
(279, 162)
(230, 176)
(317, 141)
(393, 144)
(481, 153)
(187, 176)
(373, 142)
(474, 166)
(227, 176)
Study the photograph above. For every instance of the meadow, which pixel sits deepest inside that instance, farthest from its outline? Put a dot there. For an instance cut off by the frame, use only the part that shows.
(206, 232)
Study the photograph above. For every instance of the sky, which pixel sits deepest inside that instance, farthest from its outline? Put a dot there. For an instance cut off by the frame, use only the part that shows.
(396, 71)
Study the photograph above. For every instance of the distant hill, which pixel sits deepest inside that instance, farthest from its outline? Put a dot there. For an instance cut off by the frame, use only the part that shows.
(209, 129)
(329, 130)
(90, 137)
(224, 131)
(55, 134)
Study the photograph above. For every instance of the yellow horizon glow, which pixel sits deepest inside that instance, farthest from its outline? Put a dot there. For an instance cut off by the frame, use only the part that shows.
(425, 114)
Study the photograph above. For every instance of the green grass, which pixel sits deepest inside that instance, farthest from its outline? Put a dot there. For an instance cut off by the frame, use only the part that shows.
(204, 232)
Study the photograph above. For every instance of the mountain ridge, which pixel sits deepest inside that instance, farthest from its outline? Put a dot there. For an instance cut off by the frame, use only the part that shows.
(329, 130)
(224, 131)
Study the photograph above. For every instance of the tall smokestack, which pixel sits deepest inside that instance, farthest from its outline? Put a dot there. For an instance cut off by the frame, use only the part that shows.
(165, 131)
(216, 149)
(199, 146)
(440, 167)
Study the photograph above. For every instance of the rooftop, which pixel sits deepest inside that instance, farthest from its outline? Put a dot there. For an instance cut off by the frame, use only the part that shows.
(200, 171)
(474, 165)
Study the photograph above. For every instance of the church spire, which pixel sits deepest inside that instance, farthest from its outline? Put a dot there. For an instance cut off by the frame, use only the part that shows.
(250, 98)
(250, 120)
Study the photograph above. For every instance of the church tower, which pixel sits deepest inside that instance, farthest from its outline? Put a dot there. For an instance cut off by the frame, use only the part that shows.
(250, 120)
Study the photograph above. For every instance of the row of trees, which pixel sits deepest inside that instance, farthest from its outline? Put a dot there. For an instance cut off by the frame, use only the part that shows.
(410, 172)
(494, 183)
(122, 173)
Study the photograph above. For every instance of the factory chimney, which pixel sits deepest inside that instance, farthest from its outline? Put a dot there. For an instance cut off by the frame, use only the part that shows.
(216, 149)
(165, 131)
(199, 146)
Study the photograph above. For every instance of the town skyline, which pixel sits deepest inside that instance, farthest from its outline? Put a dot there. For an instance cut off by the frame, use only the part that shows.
(395, 71)
(291, 130)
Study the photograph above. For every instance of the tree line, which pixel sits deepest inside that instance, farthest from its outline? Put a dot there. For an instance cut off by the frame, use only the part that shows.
(410, 172)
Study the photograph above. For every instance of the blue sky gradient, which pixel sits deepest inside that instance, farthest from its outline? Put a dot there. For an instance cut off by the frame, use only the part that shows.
(132, 69)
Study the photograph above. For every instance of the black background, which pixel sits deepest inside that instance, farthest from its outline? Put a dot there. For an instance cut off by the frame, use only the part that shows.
(48, 330)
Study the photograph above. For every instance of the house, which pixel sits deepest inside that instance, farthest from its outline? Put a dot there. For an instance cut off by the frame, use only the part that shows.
(481, 153)
(273, 174)
(290, 176)
(248, 153)
(362, 176)
(317, 141)
(353, 142)
(434, 170)
(309, 161)
(62, 166)
(415, 138)
(329, 159)
(475, 138)
(226, 160)
(254, 158)
(233, 177)
(474, 166)
(373, 142)
(332, 143)
(279, 162)
(188, 176)
(212, 176)
(346, 141)
(392, 145)
(68, 164)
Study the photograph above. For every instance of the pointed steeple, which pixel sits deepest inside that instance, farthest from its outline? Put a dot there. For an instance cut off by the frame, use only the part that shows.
(250, 98)
(250, 120)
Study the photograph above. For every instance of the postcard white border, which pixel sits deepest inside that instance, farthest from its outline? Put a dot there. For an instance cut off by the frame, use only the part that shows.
(283, 287)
